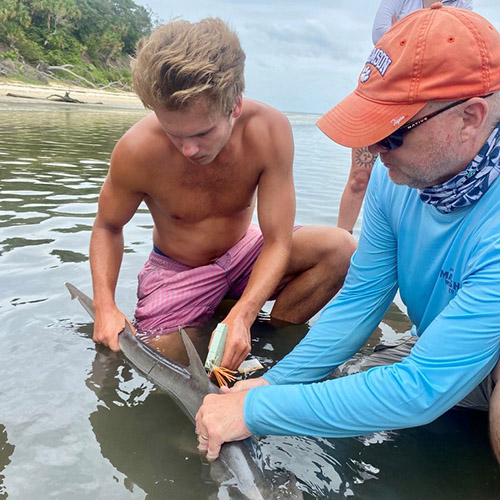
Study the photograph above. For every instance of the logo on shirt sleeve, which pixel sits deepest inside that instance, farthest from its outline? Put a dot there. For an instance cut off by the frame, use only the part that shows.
(447, 276)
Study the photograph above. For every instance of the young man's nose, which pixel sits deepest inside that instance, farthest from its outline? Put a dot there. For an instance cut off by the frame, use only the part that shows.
(189, 148)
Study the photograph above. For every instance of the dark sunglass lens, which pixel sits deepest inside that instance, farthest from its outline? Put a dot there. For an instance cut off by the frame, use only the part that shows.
(384, 143)
(395, 141)
(391, 142)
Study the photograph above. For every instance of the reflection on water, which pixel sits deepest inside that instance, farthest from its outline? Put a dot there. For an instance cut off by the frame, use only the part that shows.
(84, 424)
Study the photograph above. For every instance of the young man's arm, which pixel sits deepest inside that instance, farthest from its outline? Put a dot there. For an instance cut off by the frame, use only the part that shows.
(118, 202)
(276, 212)
(344, 326)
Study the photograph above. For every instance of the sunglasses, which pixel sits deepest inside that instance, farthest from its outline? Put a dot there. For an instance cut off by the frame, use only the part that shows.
(395, 140)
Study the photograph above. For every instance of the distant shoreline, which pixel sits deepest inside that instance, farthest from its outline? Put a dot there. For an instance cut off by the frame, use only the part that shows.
(90, 98)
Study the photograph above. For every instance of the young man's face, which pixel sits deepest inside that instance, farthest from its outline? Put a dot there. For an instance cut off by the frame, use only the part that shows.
(199, 135)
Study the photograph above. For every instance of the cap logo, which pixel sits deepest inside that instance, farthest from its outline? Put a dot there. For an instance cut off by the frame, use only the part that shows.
(380, 60)
(397, 121)
(365, 74)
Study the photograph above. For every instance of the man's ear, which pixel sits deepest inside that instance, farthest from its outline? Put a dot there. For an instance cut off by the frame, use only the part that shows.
(474, 115)
(238, 107)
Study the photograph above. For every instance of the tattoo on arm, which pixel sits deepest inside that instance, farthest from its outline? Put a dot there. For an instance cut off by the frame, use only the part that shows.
(364, 158)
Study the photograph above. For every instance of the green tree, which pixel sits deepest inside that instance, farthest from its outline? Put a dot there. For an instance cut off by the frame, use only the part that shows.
(93, 34)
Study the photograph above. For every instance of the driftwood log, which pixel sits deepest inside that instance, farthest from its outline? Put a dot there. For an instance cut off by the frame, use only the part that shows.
(65, 98)
(58, 98)
(21, 96)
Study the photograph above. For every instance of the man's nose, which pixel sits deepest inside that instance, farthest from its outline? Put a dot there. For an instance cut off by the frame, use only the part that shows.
(189, 148)
(376, 148)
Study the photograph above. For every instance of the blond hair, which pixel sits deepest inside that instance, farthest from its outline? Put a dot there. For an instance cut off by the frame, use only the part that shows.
(182, 63)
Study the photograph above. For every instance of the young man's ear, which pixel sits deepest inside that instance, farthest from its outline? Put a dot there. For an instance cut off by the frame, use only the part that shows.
(238, 107)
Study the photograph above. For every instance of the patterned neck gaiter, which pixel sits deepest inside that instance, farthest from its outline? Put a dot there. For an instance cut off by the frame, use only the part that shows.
(471, 183)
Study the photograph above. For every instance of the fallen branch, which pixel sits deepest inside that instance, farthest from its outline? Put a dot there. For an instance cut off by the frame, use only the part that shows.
(21, 96)
(118, 84)
(65, 98)
(64, 68)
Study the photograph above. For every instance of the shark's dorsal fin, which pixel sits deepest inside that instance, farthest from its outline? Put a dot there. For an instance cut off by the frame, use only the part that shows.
(195, 364)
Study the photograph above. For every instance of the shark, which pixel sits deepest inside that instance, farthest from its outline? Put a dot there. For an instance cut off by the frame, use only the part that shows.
(239, 470)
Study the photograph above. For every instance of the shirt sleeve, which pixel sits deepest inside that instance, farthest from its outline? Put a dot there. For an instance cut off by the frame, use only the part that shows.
(453, 355)
(383, 18)
(346, 324)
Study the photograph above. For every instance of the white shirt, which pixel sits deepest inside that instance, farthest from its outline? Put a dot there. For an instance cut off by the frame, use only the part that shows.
(401, 8)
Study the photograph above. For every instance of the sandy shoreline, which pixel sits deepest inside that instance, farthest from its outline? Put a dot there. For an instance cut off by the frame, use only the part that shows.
(94, 98)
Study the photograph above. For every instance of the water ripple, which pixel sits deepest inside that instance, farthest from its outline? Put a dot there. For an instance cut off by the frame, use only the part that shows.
(77, 421)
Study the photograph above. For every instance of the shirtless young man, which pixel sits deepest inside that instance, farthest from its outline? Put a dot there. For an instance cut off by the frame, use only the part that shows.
(200, 162)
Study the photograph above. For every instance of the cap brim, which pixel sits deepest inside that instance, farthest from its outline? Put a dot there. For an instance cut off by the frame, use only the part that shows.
(357, 121)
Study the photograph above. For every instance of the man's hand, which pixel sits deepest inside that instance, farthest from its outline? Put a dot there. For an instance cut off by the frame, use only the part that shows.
(108, 325)
(219, 420)
(237, 343)
(245, 385)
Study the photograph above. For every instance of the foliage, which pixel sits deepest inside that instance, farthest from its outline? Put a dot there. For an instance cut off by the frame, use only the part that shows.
(93, 35)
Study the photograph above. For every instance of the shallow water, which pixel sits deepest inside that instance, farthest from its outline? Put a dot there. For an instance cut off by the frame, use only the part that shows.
(76, 421)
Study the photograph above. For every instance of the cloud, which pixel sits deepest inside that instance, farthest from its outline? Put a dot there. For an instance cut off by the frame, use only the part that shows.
(301, 56)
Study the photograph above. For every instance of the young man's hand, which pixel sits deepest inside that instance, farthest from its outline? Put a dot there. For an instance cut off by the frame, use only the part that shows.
(238, 343)
(108, 325)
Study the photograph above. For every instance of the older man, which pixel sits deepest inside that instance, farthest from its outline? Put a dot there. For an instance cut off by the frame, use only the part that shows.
(428, 102)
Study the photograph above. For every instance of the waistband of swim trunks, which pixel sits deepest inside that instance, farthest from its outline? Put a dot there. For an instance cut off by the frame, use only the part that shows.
(166, 262)
(158, 258)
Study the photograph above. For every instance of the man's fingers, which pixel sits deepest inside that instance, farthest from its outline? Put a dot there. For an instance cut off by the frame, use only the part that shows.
(242, 385)
(202, 443)
(234, 356)
(245, 385)
(213, 451)
(131, 326)
(114, 346)
(228, 359)
(202, 433)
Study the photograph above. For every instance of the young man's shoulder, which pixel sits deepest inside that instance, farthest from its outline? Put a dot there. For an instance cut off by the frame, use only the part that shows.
(142, 137)
(263, 125)
(262, 114)
(143, 144)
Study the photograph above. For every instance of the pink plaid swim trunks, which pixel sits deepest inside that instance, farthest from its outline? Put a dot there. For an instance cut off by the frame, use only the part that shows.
(171, 294)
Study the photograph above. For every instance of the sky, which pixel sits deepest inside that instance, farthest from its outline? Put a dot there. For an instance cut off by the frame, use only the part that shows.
(302, 56)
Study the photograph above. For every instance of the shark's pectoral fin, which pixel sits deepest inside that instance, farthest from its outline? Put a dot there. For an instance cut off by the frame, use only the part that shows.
(84, 300)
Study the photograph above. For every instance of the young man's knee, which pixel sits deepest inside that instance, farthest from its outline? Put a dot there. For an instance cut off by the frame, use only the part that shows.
(339, 245)
(495, 374)
(494, 418)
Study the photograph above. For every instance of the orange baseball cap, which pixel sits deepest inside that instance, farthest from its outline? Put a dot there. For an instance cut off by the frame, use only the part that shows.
(435, 54)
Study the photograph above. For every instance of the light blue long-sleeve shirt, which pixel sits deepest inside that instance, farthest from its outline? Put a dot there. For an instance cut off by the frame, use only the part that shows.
(447, 268)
